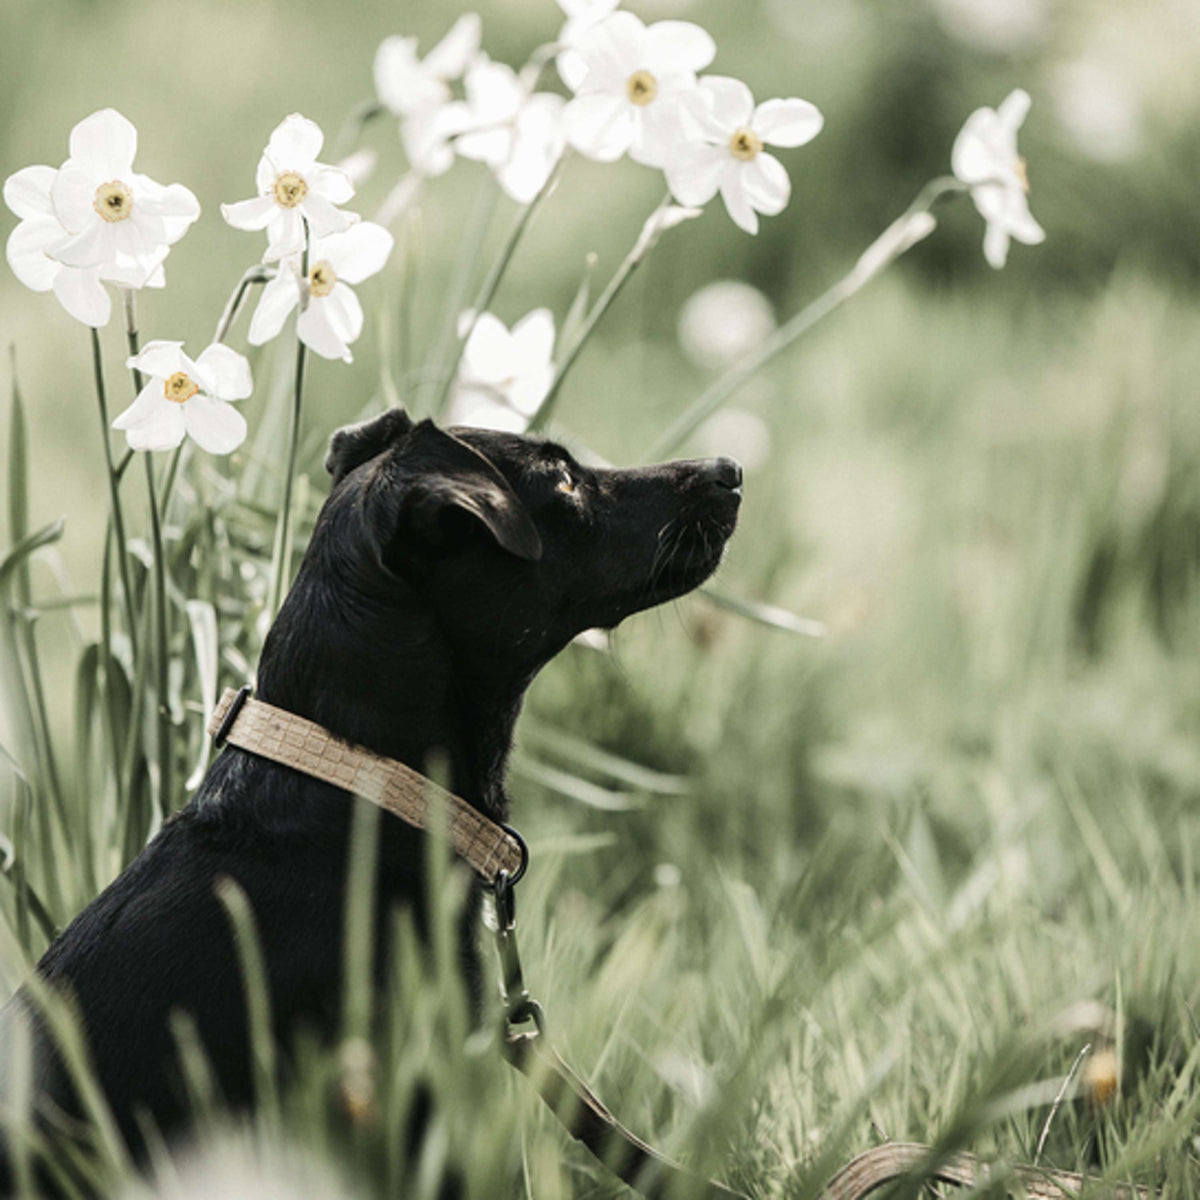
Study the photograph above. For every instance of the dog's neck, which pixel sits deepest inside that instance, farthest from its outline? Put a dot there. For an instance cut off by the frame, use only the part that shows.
(383, 676)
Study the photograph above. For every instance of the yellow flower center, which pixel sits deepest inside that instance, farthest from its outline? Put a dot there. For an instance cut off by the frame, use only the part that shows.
(1021, 173)
(290, 188)
(321, 279)
(180, 387)
(113, 201)
(641, 88)
(745, 144)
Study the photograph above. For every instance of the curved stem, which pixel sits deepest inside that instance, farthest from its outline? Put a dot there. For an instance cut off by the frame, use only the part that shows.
(256, 274)
(161, 615)
(114, 493)
(620, 278)
(491, 283)
(281, 557)
(899, 237)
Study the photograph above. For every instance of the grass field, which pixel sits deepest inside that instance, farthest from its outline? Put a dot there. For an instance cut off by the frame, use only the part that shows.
(790, 897)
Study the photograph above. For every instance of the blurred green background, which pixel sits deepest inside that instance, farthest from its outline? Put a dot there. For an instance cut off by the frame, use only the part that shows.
(973, 804)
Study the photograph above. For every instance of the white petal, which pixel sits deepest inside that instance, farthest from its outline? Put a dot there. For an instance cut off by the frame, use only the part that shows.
(250, 214)
(572, 68)
(1013, 109)
(315, 331)
(972, 159)
(693, 172)
(81, 293)
(72, 195)
(600, 126)
(332, 183)
(285, 234)
(278, 298)
(26, 252)
(226, 373)
(175, 205)
(494, 92)
(104, 143)
(343, 312)
(161, 428)
(27, 192)
(214, 425)
(295, 144)
(148, 399)
(527, 392)
(995, 244)
(91, 248)
(323, 218)
(787, 122)
(492, 146)
(1024, 228)
(766, 184)
(358, 253)
(678, 46)
(533, 338)
(395, 59)
(488, 356)
(146, 271)
(484, 409)
(449, 58)
(161, 359)
(736, 202)
(731, 104)
(425, 143)
(613, 49)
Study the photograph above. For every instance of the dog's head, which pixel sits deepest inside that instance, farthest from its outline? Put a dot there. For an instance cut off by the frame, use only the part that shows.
(514, 545)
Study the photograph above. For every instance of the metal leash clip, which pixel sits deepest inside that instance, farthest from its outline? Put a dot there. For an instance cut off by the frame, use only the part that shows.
(519, 1006)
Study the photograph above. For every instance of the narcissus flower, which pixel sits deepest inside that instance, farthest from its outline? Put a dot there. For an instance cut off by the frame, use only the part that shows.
(581, 16)
(331, 316)
(985, 158)
(407, 84)
(627, 99)
(186, 397)
(729, 153)
(75, 233)
(294, 189)
(518, 134)
(505, 374)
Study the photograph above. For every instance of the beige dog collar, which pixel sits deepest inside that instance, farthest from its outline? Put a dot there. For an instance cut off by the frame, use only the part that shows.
(304, 745)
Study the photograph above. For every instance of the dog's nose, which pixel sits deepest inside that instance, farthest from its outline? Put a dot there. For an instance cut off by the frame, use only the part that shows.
(727, 472)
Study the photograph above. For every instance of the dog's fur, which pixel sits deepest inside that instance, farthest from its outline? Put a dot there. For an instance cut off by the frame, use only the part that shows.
(445, 569)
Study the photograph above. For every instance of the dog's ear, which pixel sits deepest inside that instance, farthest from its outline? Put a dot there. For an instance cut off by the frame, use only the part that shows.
(357, 444)
(439, 474)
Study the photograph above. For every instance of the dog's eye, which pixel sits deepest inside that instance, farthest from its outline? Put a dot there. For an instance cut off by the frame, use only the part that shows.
(566, 483)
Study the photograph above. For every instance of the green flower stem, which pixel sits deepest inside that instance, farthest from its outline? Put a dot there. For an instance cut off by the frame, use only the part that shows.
(161, 614)
(254, 275)
(631, 262)
(491, 283)
(114, 493)
(879, 255)
(110, 708)
(472, 247)
(281, 556)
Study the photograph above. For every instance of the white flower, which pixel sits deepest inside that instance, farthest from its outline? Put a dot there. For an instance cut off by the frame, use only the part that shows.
(407, 85)
(504, 374)
(186, 397)
(729, 154)
(582, 15)
(294, 189)
(519, 135)
(985, 158)
(627, 99)
(426, 135)
(129, 212)
(331, 318)
(114, 218)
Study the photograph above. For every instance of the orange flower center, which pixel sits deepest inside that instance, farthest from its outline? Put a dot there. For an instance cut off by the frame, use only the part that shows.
(641, 88)
(180, 387)
(745, 144)
(113, 201)
(290, 189)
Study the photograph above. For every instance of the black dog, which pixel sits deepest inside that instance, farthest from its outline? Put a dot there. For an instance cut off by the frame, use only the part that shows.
(445, 570)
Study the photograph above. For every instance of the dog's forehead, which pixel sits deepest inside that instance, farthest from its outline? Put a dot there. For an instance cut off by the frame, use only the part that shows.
(513, 452)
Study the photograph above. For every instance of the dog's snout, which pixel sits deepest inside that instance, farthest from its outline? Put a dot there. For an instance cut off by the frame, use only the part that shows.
(726, 472)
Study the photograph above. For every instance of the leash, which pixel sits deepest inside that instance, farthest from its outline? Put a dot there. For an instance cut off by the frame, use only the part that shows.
(498, 854)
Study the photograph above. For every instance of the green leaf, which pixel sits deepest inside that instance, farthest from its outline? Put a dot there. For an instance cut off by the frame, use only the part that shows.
(202, 618)
(45, 536)
(766, 614)
(571, 786)
(87, 691)
(18, 463)
(577, 313)
(583, 753)
(12, 763)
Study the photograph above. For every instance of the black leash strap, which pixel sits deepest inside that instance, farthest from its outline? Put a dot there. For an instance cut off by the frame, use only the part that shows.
(579, 1109)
